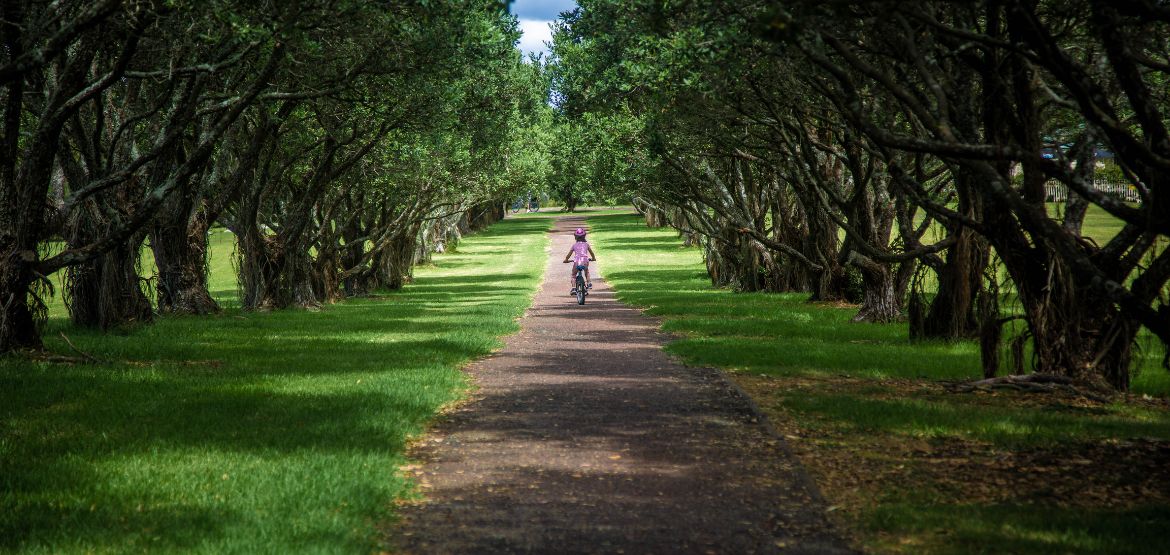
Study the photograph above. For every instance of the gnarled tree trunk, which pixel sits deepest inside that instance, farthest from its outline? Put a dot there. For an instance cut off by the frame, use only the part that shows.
(1074, 331)
(952, 312)
(396, 263)
(180, 252)
(274, 274)
(326, 272)
(361, 280)
(18, 309)
(106, 291)
(880, 301)
(654, 217)
(821, 246)
(732, 262)
(258, 272)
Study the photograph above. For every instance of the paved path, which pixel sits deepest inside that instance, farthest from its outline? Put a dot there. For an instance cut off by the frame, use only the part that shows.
(584, 437)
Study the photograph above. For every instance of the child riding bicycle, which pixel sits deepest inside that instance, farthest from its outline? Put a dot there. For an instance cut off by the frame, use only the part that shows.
(581, 253)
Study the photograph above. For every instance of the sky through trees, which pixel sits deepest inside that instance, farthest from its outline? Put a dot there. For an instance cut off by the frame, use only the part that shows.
(535, 17)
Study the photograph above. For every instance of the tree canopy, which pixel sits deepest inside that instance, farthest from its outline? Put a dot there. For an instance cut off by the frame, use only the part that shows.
(898, 154)
(931, 161)
(340, 141)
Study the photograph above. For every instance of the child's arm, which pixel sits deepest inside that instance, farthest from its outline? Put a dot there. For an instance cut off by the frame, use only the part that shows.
(591, 255)
(567, 256)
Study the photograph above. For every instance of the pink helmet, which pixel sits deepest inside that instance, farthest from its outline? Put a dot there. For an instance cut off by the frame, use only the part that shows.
(579, 233)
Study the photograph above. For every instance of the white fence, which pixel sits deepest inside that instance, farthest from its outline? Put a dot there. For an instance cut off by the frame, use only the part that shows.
(1055, 191)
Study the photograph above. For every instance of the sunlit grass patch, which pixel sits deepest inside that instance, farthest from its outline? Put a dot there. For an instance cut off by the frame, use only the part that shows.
(250, 432)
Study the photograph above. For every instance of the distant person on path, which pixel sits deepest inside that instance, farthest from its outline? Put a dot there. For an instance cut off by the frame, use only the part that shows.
(581, 253)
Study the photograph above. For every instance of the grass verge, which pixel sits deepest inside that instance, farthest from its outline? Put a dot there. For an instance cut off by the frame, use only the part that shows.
(250, 432)
(908, 465)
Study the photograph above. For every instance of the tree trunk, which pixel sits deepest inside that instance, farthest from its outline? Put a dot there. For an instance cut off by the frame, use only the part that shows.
(952, 312)
(21, 311)
(1075, 332)
(655, 217)
(327, 268)
(259, 272)
(821, 246)
(903, 278)
(436, 237)
(484, 214)
(396, 267)
(28, 148)
(1075, 208)
(180, 252)
(880, 302)
(361, 282)
(719, 269)
(790, 275)
(733, 262)
(106, 292)
(298, 267)
(274, 273)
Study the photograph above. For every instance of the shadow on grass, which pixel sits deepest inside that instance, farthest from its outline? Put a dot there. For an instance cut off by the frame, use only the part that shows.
(928, 416)
(782, 333)
(172, 528)
(955, 528)
(649, 243)
(454, 283)
(249, 432)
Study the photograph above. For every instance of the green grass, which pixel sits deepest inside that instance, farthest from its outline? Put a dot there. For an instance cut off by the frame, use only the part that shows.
(869, 381)
(776, 334)
(651, 269)
(250, 432)
(994, 529)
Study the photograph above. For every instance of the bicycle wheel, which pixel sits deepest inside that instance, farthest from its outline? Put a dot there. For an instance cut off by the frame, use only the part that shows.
(516, 206)
(580, 289)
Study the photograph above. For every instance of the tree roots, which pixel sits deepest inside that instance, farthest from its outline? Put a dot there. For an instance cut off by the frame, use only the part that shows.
(1035, 383)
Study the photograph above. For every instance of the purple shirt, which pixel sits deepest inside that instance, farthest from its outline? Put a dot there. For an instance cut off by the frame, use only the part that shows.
(581, 253)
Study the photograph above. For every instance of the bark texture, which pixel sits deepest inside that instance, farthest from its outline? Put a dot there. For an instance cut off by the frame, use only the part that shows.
(180, 252)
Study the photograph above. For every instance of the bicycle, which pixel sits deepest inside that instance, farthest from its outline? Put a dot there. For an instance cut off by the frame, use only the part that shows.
(533, 204)
(582, 288)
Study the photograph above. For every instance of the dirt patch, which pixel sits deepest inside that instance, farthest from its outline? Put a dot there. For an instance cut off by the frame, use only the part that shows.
(854, 470)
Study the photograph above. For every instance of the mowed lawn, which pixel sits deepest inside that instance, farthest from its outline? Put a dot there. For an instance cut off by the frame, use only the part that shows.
(250, 432)
(908, 465)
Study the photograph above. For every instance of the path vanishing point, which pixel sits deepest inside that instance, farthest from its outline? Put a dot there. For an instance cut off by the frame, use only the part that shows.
(585, 437)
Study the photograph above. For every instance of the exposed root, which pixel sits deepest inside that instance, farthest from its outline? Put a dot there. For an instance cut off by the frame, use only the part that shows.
(211, 363)
(84, 354)
(45, 356)
(1034, 383)
(41, 355)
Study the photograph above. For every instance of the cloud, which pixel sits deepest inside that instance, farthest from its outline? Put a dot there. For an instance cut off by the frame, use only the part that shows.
(541, 9)
(536, 32)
